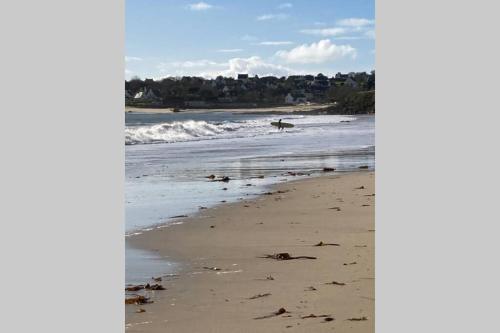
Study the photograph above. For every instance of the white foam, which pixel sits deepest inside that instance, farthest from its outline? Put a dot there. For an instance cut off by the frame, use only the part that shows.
(192, 130)
(171, 132)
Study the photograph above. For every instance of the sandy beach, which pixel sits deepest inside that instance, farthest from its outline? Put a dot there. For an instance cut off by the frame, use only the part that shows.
(278, 109)
(227, 284)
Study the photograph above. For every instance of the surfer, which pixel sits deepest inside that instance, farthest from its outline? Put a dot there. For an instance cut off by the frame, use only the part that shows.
(281, 125)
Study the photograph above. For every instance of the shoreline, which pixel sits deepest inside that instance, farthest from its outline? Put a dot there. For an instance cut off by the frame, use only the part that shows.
(251, 110)
(231, 237)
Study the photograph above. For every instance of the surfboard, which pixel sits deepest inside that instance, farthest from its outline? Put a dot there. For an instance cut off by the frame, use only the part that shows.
(285, 125)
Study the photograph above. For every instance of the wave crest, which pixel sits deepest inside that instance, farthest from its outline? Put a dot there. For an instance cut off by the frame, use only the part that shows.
(194, 130)
(171, 132)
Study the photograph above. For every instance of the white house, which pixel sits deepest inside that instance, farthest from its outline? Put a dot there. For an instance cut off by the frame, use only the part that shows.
(290, 99)
(146, 94)
(350, 83)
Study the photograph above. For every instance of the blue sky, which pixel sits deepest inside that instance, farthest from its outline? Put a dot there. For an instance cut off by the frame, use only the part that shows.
(259, 37)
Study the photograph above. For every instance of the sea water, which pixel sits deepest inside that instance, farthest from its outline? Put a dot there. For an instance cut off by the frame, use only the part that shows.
(169, 156)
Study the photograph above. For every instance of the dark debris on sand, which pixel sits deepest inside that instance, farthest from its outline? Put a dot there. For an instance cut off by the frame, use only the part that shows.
(336, 283)
(274, 314)
(260, 295)
(326, 244)
(285, 256)
(138, 299)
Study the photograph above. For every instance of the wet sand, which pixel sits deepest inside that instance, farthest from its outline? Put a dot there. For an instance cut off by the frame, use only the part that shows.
(338, 284)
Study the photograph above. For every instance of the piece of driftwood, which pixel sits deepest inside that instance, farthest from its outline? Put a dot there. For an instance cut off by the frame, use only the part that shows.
(312, 315)
(274, 314)
(336, 283)
(325, 244)
(285, 256)
(358, 318)
(260, 295)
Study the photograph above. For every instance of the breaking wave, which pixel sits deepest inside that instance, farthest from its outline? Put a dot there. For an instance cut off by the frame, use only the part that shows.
(171, 132)
(194, 130)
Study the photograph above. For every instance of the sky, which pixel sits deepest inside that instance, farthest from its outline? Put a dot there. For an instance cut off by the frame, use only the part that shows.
(257, 37)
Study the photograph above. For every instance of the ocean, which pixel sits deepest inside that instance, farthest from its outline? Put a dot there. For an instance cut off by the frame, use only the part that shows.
(168, 157)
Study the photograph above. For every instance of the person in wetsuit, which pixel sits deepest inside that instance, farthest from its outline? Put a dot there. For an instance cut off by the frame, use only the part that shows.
(279, 125)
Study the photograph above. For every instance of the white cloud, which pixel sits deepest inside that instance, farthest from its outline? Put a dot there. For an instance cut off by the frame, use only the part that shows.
(211, 69)
(199, 6)
(285, 5)
(352, 28)
(319, 52)
(355, 22)
(267, 17)
(276, 43)
(255, 66)
(229, 50)
(190, 64)
(129, 59)
(325, 32)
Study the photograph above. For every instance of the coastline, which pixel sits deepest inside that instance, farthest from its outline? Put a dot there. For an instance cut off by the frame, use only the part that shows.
(276, 109)
(231, 237)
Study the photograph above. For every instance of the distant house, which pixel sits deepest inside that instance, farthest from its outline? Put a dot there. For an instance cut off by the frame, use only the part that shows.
(341, 76)
(350, 83)
(295, 98)
(146, 94)
(243, 78)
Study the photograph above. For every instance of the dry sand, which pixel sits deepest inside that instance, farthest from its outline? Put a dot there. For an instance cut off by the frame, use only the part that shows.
(203, 300)
(278, 109)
